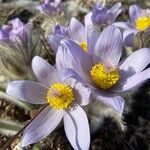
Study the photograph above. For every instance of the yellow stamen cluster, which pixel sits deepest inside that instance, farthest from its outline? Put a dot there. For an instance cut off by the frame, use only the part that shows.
(84, 46)
(103, 77)
(143, 23)
(60, 96)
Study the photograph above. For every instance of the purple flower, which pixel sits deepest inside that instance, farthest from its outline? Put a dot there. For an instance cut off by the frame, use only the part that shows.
(60, 30)
(139, 21)
(64, 97)
(10, 31)
(76, 32)
(101, 70)
(50, 6)
(103, 16)
(20, 41)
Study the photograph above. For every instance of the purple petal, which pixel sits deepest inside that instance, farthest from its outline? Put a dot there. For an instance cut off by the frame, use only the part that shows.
(77, 128)
(128, 37)
(88, 20)
(54, 41)
(133, 82)
(123, 25)
(136, 62)
(70, 55)
(93, 33)
(60, 30)
(28, 91)
(16, 23)
(115, 102)
(4, 35)
(99, 14)
(41, 126)
(114, 12)
(48, 8)
(17, 28)
(4, 32)
(65, 74)
(44, 72)
(109, 45)
(134, 12)
(77, 31)
(82, 94)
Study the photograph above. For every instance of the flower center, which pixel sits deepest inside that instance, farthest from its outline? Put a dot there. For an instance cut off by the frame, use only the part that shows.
(60, 96)
(84, 46)
(103, 77)
(143, 23)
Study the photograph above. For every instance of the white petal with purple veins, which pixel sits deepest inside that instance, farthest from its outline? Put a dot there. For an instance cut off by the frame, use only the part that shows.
(70, 55)
(109, 45)
(42, 126)
(123, 25)
(44, 72)
(93, 33)
(77, 31)
(87, 20)
(132, 83)
(54, 41)
(134, 12)
(115, 102)
(82, 94)
(114, 12)
(136, 62)
(28, 91)
(77, 128)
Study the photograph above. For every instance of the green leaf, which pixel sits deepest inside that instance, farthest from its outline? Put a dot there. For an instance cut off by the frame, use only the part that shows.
(9, 128)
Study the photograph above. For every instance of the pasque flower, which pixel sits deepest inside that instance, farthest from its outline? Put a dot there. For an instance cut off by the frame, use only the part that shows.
(50, 6)
(100, 15)
(81, 34)
(101, 69)
(139, 21)
(77, 32)
(10, 31)
(64, 97)
(19, 43)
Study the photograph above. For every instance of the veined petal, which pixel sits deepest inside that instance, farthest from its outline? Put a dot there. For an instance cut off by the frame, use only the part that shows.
(28, 91)
(133, 82)
(123, 25)
(82, 94)
(68, 55)
(54, 41)
(64, 58)
(77, 31)
(99, 14)
(109, 45)
(134, 12)
(41, 126)
(128, 37)
(87, 20)
(44, 72)
(69, 73)
(115, 102)
(136, 62)
(93, 33)
(114, 12)
(77, 128)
